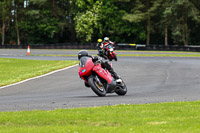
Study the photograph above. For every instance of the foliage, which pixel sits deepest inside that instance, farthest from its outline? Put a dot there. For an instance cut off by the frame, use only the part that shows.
(123, 21)
(118, 29)
(88, 21)
(180, 13)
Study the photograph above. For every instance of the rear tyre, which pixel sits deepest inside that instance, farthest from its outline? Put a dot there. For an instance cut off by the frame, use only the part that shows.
(96, 86)
(121, 89)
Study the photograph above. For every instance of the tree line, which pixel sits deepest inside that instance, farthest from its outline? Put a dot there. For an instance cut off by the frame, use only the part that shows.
(160, 22)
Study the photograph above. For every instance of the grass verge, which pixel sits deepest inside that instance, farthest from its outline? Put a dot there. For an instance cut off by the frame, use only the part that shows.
(175, 117)
(15, 70)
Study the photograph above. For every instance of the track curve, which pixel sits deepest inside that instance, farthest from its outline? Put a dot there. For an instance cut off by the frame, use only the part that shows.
(149, 80)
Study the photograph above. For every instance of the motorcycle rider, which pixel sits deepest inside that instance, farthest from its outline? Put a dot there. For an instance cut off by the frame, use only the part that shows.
(100, 50)
(104, 64)
(105, 43)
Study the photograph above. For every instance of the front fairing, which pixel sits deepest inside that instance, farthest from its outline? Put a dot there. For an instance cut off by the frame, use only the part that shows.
(110, 49)
(85, 66)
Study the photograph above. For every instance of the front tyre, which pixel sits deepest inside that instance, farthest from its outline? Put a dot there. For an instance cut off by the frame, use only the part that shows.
(96, 86)
(115, 56)
(109, 56)
(121, 89)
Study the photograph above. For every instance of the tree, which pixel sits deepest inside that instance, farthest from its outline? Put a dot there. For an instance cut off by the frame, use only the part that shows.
(18, 10)
(5, 7)
(39, 25)
(88, 20)
(183, 11)
(165, 19)
(123, 21)
(142, 12)
(104, 18)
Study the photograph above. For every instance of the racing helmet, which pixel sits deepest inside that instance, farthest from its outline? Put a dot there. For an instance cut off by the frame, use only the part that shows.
(99, 40)
(106, 39)
(82, 53)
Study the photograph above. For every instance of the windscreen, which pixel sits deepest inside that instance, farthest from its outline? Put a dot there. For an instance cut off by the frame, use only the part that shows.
(83, 61)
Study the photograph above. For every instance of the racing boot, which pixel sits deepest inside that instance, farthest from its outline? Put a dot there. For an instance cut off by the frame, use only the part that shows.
(113, 73)
(117, 77)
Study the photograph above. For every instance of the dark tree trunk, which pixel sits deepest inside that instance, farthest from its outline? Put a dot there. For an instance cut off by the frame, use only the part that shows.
(54, 7)
(16, 23)
(73, 31)
(148, 22)
(184, 34)
(3, 32)
(148, 30)
(166, 35)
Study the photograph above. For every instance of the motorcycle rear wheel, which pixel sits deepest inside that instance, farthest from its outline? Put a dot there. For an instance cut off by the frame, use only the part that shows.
(122, 89)
(97, 87)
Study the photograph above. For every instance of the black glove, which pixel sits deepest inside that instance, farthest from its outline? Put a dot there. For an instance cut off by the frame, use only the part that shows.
(95, 58)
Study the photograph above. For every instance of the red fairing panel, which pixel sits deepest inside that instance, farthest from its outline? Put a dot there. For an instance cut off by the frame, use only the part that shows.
(103, 73)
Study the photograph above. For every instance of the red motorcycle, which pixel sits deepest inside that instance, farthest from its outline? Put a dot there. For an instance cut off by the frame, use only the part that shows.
(110, 53)
(99, 79)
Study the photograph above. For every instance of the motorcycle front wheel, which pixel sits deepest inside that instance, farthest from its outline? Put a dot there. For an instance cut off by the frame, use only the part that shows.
(115, 56)
(109, 56)
(96, 86)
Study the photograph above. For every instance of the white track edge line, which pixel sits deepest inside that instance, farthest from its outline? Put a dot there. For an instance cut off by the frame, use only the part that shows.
(37, 77)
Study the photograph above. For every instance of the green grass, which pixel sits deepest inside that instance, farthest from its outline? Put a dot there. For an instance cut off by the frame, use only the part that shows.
(178, 117)
(15, 70)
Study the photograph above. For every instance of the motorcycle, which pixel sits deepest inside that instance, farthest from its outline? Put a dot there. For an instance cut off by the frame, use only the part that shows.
(110, 53)
(99, 79)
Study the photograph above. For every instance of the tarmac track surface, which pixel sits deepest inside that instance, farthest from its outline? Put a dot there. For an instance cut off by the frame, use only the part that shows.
(149, 80)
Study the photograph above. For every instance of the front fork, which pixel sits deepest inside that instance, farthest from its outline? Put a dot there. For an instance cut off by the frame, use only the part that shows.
(97, 79)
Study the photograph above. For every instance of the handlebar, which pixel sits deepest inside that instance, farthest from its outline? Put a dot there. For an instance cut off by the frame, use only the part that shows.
(108, 45)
